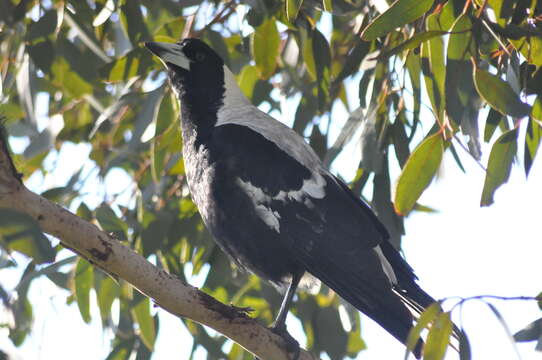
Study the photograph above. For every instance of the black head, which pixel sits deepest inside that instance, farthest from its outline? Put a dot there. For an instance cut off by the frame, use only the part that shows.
(196, 72)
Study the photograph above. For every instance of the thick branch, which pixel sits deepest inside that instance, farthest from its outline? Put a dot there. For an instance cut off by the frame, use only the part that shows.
(167, 291)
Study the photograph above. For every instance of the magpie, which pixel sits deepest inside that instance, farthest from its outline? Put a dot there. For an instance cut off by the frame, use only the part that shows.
(273, 207)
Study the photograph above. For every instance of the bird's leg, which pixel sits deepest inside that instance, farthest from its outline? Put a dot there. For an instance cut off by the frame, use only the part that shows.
(279, 326)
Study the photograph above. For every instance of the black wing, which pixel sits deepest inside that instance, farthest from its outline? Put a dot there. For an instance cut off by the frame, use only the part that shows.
(331, 234)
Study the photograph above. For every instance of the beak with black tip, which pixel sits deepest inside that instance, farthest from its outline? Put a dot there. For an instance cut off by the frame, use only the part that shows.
(169, 53)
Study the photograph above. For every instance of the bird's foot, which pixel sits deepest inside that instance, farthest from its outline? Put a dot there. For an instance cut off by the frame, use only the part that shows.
(292, 346)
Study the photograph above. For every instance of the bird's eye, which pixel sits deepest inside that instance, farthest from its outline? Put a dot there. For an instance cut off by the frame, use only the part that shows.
(200, 56)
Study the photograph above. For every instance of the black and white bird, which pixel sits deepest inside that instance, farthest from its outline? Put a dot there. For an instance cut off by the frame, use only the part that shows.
(272, 206)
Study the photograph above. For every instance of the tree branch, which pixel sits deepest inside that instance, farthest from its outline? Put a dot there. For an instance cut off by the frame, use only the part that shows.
(167, 291)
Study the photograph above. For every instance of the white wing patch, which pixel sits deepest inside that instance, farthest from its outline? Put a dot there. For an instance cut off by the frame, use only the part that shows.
(313, 187)
(386, 266)
(259, 198)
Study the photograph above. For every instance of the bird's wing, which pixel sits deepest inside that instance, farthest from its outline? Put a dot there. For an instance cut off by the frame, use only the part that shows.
(333, 235)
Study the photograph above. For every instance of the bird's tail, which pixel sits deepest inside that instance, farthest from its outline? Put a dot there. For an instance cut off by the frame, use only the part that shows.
(411, 294)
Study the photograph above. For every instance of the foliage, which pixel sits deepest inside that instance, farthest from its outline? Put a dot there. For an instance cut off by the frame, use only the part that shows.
(105, 91)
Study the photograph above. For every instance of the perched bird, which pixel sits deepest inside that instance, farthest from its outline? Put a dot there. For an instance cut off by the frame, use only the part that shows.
(272, 206)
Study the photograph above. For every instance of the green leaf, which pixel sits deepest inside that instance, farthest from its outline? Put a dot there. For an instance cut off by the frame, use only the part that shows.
(322, 61)
(106, 293)
(532, 143)
(43, 54)
(171, 31)
(132, 20)
(104, 14)
(400, 13)
(436, 61)
(265, 47)
(418, 172)
(465, 352)
(142, 315)
(248, 79)
(355, 341)
(426, 317)
(499, 94)
(110, 222)
(68, 80)
(84, 212)
(135, 62)
(45, 26)
(21, 233)
(122, 350)
(413, 42)
(414, 67)
(292, 9)
(84, 278)
(499, 164)
(459, 87)
(438, 337)
(531, 332)
(536, 112)
(327, 5)
(353, 59)
(493, 119)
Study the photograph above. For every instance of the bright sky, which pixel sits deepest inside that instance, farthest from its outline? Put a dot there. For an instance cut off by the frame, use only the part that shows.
(463, 250)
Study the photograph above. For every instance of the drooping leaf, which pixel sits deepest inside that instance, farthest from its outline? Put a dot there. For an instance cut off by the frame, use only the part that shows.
(83, 280)
(464, 346)
(248, 79)
(63, 76)
(135, 62)
(354, 59)
(459, 86)
(492, 121)
(418, 172)
(427, 317)
(533, 137)
(104, 14)
(122, 350)
(42, 28)
(265, 47)
(110, 222)
(401, 12)
(434, 68)
(142, 315)
(322, 61)
(292, 8)
(499, 94)
(107, 291)
(413, 42)
(499, 164)
(21, 233)
(132, 21)
(532, 332)
(414, 68)
(438, 337)
(536, 112)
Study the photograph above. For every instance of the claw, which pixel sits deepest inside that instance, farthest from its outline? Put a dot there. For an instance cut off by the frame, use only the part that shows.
(292, 346)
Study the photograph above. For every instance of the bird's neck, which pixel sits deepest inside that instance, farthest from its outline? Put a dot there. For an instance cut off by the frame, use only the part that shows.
(199, 107)
(202, 106)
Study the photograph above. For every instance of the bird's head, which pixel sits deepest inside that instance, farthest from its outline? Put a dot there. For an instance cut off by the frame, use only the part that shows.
(198, 74)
